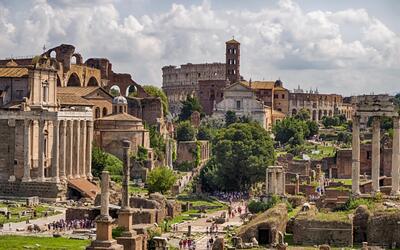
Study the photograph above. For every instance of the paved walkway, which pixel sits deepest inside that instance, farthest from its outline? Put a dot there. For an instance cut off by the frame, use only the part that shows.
(199, 228)
(12, 227)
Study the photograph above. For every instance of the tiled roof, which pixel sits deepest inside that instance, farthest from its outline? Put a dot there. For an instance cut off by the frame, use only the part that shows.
(119, 117)
(279, 88)
(71, 99)
(233, 41)
(13, 72)
(79, 91)
(262, 85)
(85, 187)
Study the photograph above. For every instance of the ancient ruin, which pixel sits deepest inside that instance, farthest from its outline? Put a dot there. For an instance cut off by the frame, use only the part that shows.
(375, 106)
(275, 181)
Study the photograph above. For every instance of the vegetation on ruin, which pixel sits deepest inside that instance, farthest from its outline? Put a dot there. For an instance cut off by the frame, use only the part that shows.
(352, 203)
(315, 151)
(190, 105)
(32, 242)
(241, 153)
(157, 92)
(261, 206)
(157, 143)
(102, 160)
(161, 180)
(185, 131)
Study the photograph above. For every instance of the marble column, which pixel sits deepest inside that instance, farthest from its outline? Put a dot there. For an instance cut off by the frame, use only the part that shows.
(41, 151)
(27, 151)
(395, 157)
(63, 149)
(126, 146)
(104, 222)
(76, 146)
(355, 174)
(273, 182)
(89, 139)
(55, 152)
(82, 152)
(376, 153)
(34, 145)
(70, 152)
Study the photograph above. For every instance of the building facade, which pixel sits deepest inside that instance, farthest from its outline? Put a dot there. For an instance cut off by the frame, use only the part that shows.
(180, 82)
(42, 146)
(318, 105)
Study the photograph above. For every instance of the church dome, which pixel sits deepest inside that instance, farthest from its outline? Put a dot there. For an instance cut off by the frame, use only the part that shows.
(119, 100)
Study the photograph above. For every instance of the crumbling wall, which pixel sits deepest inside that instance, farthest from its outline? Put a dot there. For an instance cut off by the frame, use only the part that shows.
(384, 228)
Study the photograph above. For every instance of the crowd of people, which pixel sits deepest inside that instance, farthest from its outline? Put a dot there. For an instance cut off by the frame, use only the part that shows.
(63, 225)
(231, 196)
(187, 244)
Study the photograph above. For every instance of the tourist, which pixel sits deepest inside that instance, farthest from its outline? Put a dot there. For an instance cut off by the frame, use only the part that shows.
(180, 244)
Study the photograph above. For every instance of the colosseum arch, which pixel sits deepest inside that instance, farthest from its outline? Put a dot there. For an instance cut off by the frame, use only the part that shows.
(314, 115)
(93, 82)
(320, 114)
(73, 81)
(330, 113)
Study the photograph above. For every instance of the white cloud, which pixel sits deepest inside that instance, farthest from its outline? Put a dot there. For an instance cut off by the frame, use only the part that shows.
(317, 47)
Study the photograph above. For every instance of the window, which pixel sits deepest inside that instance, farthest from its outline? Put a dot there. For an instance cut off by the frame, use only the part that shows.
(45, 91)
(276, 96)
(237, 104)
(199, 74)
(283, 96)
(97, 112)
(369, 155)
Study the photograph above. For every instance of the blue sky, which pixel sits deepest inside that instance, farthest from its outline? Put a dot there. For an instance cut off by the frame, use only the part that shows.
(341, 46)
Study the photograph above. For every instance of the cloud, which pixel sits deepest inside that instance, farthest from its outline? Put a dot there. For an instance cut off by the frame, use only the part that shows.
(314, 48)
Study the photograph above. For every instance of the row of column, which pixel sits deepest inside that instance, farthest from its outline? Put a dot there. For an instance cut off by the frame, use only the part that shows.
(71, 149)
(375, 171)
(275, 181)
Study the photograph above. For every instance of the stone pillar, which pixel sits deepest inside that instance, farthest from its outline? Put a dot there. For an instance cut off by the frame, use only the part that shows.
(77, 148)
(63, 149)
(34, 145)
(55, 153)
(27, 154)
(395, 157)
(82, 152)
(126, 145)
(69, 152)
(297, 185)
(104, 238)
(41, 151)
(283, 181)
(376, 153)
(273, 182)
(355, 174)
(89, 138)
(266, 182)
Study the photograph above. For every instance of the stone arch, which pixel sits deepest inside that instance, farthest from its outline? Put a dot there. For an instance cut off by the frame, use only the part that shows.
(93, 81)
(52, 54)
(330, 112)
(320, 114)
(58, 81)
(314, 115)
(97, 112)
(104, 112)
(294, 112)
(325, 113)
(131, 89)
(76, 59)
(73, 81)
(115, 90)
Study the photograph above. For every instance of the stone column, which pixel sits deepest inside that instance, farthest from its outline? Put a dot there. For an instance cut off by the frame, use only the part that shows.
(273, 182)
(76, 146)
(376, 153)
(41, 151)
(34, 145)
(82, 152)
(104, 238)
(297, 185)
(27, 158)
(69, 152)
(266, 182)
(55, 154)
(395, 157)
(283, 181)
(62, 153)
(355, 174)
(89, 139)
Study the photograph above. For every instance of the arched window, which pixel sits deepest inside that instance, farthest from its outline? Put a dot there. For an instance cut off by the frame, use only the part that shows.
(97, 112)
(104, 111)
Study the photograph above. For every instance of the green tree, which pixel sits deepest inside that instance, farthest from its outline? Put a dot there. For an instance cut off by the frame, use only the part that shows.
(157, 92)
(230, 118)
(102, 160)
(157, 142)
(312, 128)
(185, 131)
(303, 114)
(190, 105)
(161, 180)
(291, 130)
(204, 133)
(242, 152)
(329, 122)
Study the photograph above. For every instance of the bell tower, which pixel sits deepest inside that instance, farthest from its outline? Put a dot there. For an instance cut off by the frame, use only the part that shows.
(232, 56)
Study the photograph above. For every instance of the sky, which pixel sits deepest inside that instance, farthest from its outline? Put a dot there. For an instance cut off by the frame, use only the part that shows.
(344, 46)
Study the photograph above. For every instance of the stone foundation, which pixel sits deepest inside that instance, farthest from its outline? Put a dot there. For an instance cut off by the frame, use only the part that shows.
(48, 191)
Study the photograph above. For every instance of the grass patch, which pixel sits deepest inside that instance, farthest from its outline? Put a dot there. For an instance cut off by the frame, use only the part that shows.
(137, 190)
(344, 181)
(15, 211)
(342, 216)
(31, 242)
(294, 212)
